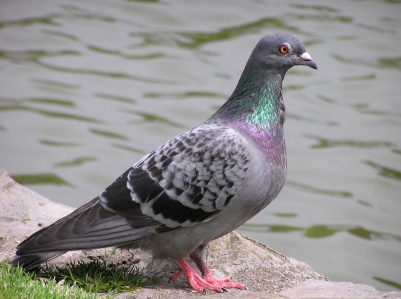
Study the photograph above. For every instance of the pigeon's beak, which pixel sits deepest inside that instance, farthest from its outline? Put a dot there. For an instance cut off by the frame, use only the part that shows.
(307, 60)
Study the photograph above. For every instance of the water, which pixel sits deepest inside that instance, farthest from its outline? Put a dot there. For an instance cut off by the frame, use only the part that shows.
(88, 87)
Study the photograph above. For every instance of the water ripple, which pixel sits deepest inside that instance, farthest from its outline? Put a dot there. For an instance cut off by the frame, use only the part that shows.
(17, 105)
(388, 282)
(60, 34)
(307, 188)
(54, 84)
(385, 171)
(34, 56)
(330, 143)
(319, 8)
(311, 120)
(108, 134)
(39, 178)
(197, 39)
(129, 148)
(125, 56)
(50, 101)
(360, 107)
(322, 231)
(46, 20)
(359, 78)
(58, 143)
(115, 98)
(115, 75)
(385, 62)
(149, 118)
(75, 162)
(185, 95)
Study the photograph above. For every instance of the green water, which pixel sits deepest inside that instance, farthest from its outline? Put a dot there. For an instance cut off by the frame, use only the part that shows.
(88, 87)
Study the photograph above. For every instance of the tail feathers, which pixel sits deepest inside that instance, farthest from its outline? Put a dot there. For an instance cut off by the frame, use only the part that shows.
(120, 235)
(90, 226)
(31, 261)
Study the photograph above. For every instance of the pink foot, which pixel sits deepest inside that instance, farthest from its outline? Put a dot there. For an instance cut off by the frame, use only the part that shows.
(175, 276)
(224, 282)
(207, 281)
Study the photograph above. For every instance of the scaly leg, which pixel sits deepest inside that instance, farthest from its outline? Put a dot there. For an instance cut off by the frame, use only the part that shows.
(198, 256)
(207, 280)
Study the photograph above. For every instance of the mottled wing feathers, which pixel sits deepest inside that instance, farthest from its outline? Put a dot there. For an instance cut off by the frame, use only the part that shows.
(188, 180)
(117, 199)
(191, 178)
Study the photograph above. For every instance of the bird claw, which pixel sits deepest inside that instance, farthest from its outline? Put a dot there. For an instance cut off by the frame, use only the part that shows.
(206, 282)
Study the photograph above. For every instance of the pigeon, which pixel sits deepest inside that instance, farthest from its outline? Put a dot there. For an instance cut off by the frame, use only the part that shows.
(198, 186)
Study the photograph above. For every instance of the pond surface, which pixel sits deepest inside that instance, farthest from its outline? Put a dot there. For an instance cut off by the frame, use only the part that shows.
(88, 87)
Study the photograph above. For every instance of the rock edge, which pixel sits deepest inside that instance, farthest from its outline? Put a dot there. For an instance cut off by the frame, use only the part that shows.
(266, 272)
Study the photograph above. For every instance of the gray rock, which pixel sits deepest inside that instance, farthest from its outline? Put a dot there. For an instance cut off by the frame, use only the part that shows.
(23, 211)
(328, 289)
(267, 273)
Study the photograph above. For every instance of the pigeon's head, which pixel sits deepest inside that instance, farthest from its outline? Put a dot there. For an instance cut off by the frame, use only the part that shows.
(281, 51)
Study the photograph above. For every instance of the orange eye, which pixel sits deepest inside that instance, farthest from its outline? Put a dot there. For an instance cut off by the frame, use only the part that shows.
(283, 49)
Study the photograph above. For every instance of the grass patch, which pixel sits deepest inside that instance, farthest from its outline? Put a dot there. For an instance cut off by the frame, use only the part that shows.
(16, 283)
(77, 280)
(99, 276)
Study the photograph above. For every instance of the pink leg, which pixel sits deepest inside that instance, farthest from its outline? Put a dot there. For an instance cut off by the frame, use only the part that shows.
(175, 276)
(199, 259)
(224, 282)
(207, 280)
(197, 282)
